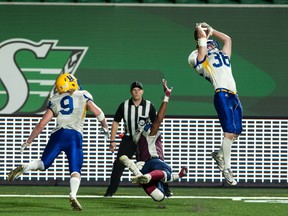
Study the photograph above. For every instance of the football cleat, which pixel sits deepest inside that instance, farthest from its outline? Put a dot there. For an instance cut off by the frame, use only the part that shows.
(228, 175)
(183, 172)
(75, 204)
(141, 179)
(167, 190)
(15, 173)
(130, 164)
(108, 195)
(219, 160)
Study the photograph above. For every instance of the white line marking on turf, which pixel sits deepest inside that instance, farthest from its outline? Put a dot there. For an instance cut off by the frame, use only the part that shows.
(245, 199)
(267, 201)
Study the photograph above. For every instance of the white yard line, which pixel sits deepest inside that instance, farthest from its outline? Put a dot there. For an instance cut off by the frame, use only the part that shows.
(246, 199)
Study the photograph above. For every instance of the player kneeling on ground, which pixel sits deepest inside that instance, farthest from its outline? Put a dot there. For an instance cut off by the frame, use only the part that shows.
(154, 172)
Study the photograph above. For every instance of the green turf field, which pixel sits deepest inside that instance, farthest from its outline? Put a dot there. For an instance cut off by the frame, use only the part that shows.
(53, 200)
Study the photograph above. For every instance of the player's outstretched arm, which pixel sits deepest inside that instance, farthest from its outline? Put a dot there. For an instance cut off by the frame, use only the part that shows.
(38, 129)
(162, 110)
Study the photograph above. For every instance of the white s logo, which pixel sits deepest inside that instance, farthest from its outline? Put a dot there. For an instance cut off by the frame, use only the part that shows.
(11, 76)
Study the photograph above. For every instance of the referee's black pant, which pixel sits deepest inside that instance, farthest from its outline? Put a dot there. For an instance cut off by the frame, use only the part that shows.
(127, 147)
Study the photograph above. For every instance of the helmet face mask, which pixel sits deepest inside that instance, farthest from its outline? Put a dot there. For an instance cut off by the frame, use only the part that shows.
(144, 124)
(66, 83)
(211, 44)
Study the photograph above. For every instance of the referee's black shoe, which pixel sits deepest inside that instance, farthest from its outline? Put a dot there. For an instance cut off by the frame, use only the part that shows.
(107, 195)
(167, 191)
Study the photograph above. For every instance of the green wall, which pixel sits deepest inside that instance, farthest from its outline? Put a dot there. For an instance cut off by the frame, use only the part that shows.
(148, 44)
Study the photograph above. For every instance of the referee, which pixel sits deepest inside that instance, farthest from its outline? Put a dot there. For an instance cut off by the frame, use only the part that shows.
(131, 111)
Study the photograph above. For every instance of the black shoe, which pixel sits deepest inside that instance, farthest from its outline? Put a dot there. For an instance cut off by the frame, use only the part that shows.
(167, 191)
(108, 194)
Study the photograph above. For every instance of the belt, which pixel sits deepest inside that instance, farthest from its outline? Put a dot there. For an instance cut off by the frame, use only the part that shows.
(225, 90)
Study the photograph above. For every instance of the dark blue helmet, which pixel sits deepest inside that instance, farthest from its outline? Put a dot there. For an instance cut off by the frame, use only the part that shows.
(213, 43)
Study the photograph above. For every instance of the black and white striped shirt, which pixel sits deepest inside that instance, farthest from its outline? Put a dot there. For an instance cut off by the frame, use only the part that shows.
(132, 114)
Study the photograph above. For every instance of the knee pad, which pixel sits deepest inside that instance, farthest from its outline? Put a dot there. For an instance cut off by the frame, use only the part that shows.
(157, 195)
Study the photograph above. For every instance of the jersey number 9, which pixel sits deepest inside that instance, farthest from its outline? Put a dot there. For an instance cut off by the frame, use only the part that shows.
(67, 104)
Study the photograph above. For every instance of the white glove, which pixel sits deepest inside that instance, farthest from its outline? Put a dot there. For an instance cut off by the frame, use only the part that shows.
(207, 27)
(24, 146)
(106, 133)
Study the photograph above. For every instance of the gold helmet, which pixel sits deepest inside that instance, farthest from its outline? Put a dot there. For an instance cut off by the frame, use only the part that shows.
(66, 82)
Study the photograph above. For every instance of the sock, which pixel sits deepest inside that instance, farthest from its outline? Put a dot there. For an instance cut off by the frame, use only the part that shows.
(154, 192)
(226, 146)
(183, 171)
(157, 195)
(74, 186)
(220, 152)
(157, 175)
(130, 164)
(34, 165)
(134, 169)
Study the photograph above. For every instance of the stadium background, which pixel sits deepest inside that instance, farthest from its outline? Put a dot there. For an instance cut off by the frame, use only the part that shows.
(148, 43)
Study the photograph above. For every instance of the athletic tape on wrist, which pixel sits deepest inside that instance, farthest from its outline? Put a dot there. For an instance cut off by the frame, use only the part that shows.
(202, 42)
(101, 116)
(166, 98)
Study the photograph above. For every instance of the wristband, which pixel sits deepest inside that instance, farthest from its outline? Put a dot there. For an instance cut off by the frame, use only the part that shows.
(202, 42)
(166, 99)
(101, 116)
(112, 141)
